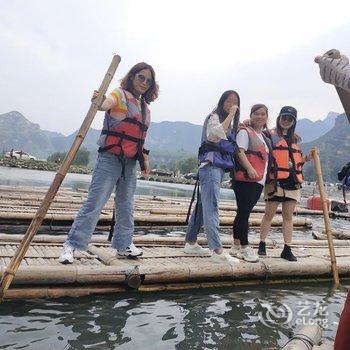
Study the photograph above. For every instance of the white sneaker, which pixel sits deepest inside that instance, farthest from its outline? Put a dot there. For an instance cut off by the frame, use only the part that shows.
(224, 257)
(235, 249)
(248, 254)
(130, 252)
(67, 256)
(196, 249)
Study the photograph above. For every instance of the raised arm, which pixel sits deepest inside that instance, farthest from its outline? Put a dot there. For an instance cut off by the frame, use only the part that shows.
(334, 69)
(107, 103)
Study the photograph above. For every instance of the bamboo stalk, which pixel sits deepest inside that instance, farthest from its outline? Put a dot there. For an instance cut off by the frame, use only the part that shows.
(305, 338)
(184, 270)
(58, 292)
(145, 218)
(78, 291)
(318, 171)
(143, 240)
(62, 171)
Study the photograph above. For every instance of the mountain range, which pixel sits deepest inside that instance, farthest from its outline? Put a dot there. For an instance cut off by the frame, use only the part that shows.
(176, 138)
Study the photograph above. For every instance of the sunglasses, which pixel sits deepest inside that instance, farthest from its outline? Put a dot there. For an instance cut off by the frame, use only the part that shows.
(287, 118)
(143, 79)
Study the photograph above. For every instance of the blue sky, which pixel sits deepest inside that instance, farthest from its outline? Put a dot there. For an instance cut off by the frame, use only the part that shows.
(55, 53)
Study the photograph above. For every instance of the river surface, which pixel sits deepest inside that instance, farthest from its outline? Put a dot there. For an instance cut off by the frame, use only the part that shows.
(249, 317)
(27, 177)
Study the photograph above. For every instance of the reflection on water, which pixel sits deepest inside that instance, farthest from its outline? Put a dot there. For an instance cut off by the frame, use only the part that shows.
(235, 318)
(210, 319)
(28, 177)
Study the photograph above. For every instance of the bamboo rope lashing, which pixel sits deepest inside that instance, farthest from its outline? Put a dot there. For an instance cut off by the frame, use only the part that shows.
(318, 171)
(60, 175)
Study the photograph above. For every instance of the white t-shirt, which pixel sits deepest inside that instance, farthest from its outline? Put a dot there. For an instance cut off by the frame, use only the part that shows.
(242, 140)
(215, 130)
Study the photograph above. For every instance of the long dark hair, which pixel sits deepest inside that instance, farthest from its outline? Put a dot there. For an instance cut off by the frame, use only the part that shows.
(126, 83)
(219, 110)
(292, 137)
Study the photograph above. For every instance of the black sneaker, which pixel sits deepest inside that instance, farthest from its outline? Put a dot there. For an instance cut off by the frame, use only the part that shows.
(287, 253)
(262, 248)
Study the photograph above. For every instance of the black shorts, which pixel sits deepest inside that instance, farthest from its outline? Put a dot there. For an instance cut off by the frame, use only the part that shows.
(280, 199)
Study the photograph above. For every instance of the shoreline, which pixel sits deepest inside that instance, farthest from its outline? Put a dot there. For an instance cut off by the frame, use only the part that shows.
(42, 165)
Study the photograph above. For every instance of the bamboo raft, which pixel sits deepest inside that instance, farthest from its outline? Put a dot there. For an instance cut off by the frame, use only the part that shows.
(19, 204)
(163, 266)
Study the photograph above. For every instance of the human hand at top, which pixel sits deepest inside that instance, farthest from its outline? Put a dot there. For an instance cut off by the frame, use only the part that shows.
(334, 69)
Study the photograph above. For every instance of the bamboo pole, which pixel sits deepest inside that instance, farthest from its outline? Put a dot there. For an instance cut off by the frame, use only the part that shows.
(175, 270)
(62, 171)
(305, 338)
(43, 291)
(146, 219)
(318, 170)
(144, 240)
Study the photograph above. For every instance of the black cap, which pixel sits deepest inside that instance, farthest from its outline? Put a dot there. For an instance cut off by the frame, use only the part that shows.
(288, 110)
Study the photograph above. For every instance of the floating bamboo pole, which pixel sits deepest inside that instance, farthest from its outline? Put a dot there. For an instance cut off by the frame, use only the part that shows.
(58, 292)
(176, 270)
(227, 210)
(147, 219)
(336, 234)
(151, 240)
(62, 171)
(305, 338)
(84, 290)
(318, 171)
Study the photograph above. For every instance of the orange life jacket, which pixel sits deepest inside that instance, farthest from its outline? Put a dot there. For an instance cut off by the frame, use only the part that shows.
(128, 137)
(256, 154)
(284, 165)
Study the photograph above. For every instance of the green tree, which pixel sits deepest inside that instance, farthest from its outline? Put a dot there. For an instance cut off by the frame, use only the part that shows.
(188, 165)
(56, 157)
(82, 157)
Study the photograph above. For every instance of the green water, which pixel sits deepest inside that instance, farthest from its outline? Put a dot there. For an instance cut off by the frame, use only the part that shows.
(28, 177)
(220, 318)
(253, 317)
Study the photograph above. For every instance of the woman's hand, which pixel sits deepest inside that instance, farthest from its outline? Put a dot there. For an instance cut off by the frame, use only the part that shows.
(308, 157)
(95, 94)
(233, 109)
(252, 174)
(147, 169)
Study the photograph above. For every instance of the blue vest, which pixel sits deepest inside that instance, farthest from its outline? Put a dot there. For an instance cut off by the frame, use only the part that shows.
(219, 154)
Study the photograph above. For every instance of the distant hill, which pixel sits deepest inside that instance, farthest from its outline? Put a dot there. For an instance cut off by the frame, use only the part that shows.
(170, 141)
(334, 149)
(309, 130)
(19, 133)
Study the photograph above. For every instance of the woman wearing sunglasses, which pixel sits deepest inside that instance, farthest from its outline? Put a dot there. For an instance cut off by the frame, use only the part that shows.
(125, 125)
(286, 178)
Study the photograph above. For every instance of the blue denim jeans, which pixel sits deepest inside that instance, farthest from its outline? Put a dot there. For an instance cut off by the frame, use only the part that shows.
(210, 178)
(106, 177)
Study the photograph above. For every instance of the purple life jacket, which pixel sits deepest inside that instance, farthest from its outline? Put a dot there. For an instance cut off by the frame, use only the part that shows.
(219, 154)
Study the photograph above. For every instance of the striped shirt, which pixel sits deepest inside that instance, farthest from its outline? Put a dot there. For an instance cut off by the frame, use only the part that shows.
(119, 108)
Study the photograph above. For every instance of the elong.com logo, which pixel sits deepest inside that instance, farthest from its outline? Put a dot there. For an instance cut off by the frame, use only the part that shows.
(271, 315)
(306, 313)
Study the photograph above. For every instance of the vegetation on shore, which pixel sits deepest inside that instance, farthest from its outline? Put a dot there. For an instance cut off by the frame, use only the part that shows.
(41, 165)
